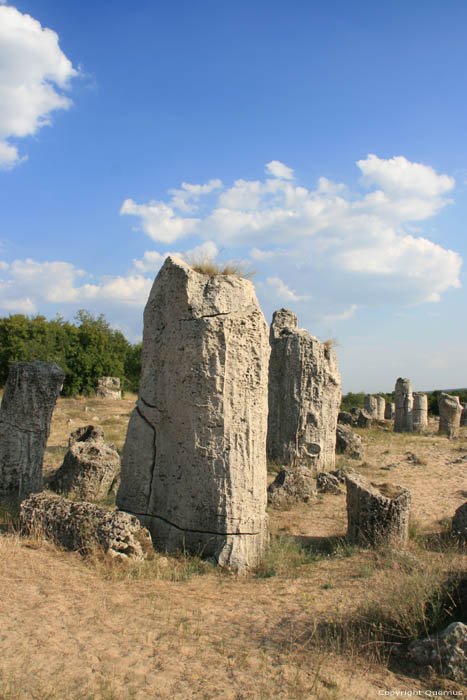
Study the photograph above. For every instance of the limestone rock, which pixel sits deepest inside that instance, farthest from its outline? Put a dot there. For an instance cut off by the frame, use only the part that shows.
(291, 486)
(459, 522)
(90, 467)
(304, 396)
(30, 395)
(194, 461)
(420, 412)
(349, 443)
(329, 482)
(389, 411)
(78, 525)
(377, 514)
(450, 411)
(403, 420)
(464, 415)
(370, 405)
(109, 388)
(364, 420)
(445, 652)
(345, 418)
(380, 407)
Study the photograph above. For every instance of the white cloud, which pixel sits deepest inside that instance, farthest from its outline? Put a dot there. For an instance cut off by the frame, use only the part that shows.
(344, 316)
(278, 169)
(32, 67)
(399, 176)
(152, 260)
(186, 199)
(282, 291)
(159, 221)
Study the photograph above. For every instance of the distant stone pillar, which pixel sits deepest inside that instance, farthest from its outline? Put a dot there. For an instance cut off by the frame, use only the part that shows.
(304, 397)
(403, 422)
(30, 395)
(377, 514)
(381, 405)
(370, 405)
(464, 415)
(450, 411)
(194, 460)
(420, 412)
(390, 410)
(109, 388)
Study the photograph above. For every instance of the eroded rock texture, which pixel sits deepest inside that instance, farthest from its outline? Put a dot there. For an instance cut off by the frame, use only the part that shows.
(380, 407)
(78, 525)
(450, 411)
(90, 468)
(446, 652)
(459, 522)
(304, 396)
(109, 388)
(403, 419)
(377, 514)
(349, 443)
(30, 395)
(420, 412)
(390, 410)
(370, 405)
(194, 460)
(291, 486)
(464, 415)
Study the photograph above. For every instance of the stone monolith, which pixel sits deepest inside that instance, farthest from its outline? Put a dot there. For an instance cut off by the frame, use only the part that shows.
(420, 412)
(30, 395)
(450, 411)
(304, 396)
(194, 460)
(390, 410)
(464, 415)
(380, 408)
(370, 405)
(109, 388)
(403, 422)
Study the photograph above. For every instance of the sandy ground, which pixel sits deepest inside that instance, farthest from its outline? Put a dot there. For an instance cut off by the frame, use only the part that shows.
(74, 629)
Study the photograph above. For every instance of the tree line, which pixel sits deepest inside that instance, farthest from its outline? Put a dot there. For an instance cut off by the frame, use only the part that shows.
(85, 350)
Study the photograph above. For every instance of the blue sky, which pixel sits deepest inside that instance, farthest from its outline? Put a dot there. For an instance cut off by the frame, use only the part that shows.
(321, 143)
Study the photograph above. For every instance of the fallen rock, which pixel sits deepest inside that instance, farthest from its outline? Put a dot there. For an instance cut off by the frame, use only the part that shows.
(450, 411)
(445, 652)
(349, 443)
(345, 418)
(80, 526)
(90, 469)
(328, 483)
(364, 420)
(109, 388)
(292, 485)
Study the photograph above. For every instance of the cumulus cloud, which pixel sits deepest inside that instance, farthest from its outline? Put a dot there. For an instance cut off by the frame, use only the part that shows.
(34, 72)
(278, 169)
(344, 316)
(282, 291)
(186, 199)
(152, 260)
(159, 221)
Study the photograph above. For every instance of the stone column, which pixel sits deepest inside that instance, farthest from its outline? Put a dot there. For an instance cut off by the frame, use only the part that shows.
(304, 397)
(194, 460)
(390, 411)
(30, 395)
(403, 422)
(370, 405)
(464, 415)
(450, 411)
(377, 514)
(381, 406)
(420, 412)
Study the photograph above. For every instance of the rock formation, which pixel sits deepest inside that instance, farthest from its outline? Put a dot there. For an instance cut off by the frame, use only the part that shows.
(81, 526)
(90, 467)
(345, 418)
(464, 415)
(363, 419)
(30, 395)
(450, 410)
(380, 407)
(194, 460)
(348, 443)
(404, 403)
(109, 388)
(291, 486)
(459, 522)
(419, 412)
(389, 411)
(445, 652)
(377, 514)
(304, 397)
(370, 405)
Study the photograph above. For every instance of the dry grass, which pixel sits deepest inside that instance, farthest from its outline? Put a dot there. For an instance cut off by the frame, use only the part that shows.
(318, 619)
(211, 268)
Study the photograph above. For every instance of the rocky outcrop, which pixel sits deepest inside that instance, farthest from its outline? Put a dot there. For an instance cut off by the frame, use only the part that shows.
(464, 415)
(389, 411)
(370, 405)
(304, 396)
(445, 652)
(291, 486)
(30, 395)
(403, 420)
(380, 407)
(349, 443)
(450, 411)
(90, 468)
(194, 460)
(420, 412)
(345, 418)
(459, 522)
(81, 526)
(109, 388)
(363, 419)
(377, 514)
(330, 482)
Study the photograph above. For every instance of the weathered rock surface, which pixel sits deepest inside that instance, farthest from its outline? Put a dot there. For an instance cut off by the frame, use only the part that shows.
(390, 410)
(403, 420)
(450, 411)
(459, 522)
(304, 396)
(349, 443)
(380, 407)
(345, 418)
(109, 388)
(90, 467)
(445, 652)
(194, 461)
(419, 412)
(464, 415)
(377, 514)
(30, 395)
(330, 482)
(364, 420)
(370, 405)
(78, 525)
(291, 486)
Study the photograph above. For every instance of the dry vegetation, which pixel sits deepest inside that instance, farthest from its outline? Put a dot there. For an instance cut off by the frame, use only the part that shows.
(318, 619)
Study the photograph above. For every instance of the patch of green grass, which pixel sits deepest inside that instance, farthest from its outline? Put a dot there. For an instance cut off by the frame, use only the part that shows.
(284, 556)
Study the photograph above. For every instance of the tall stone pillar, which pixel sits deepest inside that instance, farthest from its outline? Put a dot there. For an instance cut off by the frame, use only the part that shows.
(403, 422)
(194, 460)
(420, 412)
(381, 406)
(390, 410)
(450, 411)
(304, 397)
(30, 395)
(370, 405)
